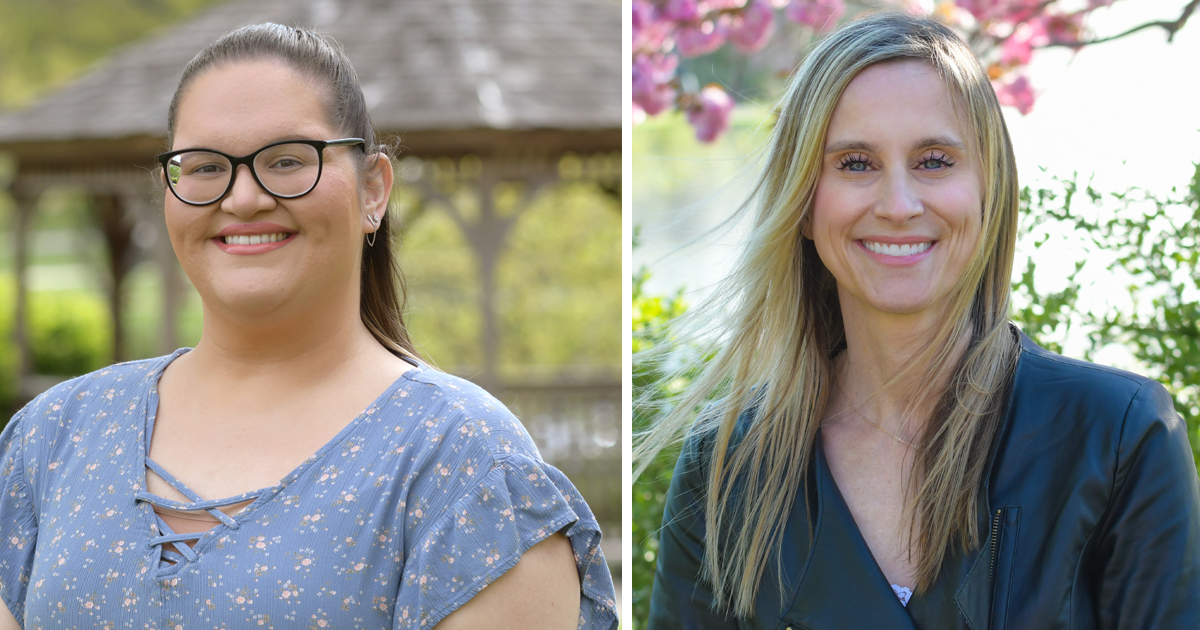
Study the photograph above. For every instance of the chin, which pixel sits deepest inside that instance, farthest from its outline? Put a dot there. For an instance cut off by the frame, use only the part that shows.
(252, 300)
(906, 304)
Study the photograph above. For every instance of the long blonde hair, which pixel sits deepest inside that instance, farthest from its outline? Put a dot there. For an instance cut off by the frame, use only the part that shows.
(776, 324)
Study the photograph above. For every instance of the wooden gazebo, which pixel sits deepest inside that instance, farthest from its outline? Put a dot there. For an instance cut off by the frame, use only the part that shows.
(509, 87)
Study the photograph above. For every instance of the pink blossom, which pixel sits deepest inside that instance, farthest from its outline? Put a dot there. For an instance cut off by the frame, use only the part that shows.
(981, 9)
(697, 40)
(1063, 28)
(1010, 11)
(710, 114)
(1017, 50)
(821, 15)
(680, 10)
(717, 5)
(1016, 93)
(652, 75)
(649, 32)
(750, 30)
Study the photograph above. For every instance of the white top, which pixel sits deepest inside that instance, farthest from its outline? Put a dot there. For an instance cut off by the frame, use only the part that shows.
(903, 592)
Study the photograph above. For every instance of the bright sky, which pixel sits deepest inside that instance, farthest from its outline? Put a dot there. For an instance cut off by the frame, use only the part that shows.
(1127, 111)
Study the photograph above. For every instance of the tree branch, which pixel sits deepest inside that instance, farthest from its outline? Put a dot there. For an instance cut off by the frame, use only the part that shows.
(1171, 27)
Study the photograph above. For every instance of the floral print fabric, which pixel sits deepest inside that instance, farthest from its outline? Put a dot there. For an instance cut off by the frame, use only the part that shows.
(431, 493)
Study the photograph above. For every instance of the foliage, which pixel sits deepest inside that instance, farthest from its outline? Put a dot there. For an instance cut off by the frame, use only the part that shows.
(558, 276)
(69, 334)
(1003, 33)
(559, 280)
(1151, 244)
(44, 44)
(650, 314)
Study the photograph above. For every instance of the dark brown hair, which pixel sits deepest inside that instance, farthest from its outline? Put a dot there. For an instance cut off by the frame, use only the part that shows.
(321, 59)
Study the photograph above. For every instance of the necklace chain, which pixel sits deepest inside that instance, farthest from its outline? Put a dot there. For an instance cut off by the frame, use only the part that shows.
(865, 419)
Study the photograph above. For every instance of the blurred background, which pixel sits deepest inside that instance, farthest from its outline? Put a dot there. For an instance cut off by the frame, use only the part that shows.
(1105, 122)
(507, 116)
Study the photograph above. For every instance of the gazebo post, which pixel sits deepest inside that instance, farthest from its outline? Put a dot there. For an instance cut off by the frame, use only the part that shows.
(118, 233)
(26, 205)
(168, 266)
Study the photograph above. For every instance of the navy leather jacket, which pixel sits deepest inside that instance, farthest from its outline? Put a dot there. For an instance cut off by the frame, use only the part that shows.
(1091, 511)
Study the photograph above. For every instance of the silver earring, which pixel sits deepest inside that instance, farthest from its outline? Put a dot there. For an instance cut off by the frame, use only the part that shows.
(371, 237)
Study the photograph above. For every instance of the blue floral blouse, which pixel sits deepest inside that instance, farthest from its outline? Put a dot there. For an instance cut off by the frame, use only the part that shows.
(431, 493)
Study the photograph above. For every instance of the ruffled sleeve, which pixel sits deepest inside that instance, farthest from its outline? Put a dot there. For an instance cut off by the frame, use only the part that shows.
(18, 519)
(518, 503)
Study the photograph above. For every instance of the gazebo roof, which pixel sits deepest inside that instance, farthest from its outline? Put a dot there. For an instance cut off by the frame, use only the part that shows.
(428, 67)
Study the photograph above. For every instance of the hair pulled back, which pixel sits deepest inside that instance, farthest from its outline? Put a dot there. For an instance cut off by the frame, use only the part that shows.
(322, 60)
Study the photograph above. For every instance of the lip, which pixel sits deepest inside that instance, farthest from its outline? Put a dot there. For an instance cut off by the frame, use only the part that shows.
(251, 229)
(898, 261)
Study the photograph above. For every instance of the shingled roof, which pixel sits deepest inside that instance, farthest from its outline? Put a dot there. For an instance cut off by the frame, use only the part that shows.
(425, 65)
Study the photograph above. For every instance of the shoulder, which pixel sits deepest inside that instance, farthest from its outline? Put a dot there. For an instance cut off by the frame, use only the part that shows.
(1079, 422)
(1038, 366)
(114, 388)
(459, 415)
(1096, 395)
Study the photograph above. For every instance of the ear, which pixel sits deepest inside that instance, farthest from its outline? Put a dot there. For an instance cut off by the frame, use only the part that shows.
(377, 189)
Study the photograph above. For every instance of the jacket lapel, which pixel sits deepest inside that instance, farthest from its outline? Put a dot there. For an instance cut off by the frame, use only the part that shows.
(841, 585)
(975, 591)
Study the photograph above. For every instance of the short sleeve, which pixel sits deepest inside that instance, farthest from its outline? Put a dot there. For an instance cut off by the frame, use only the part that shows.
(18, 519)
(520, 502)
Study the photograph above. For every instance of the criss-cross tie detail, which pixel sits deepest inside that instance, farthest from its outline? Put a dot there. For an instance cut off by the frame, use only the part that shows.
(185, 552)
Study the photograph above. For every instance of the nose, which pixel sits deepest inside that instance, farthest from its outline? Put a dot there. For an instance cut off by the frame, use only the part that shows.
(246, 198)
(899, 200)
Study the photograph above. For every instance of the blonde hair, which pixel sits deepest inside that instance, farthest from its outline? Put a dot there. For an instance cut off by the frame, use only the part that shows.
(777, 325)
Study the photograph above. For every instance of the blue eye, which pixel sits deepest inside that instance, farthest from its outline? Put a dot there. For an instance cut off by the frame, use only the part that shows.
(935, 162)
(855, 163)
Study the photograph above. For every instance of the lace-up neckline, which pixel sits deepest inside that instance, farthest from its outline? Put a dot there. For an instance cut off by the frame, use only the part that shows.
(171, 561)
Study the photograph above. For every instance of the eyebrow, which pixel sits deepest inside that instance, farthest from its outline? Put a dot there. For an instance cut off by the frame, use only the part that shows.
(923, 143)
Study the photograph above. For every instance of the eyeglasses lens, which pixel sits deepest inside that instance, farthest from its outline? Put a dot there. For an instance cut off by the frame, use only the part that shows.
(285, 170)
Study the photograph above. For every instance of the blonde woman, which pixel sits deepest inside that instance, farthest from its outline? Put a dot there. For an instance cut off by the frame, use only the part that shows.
(888, 451)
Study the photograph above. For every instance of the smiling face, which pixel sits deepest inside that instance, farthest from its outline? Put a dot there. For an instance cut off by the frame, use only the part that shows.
(898, 207)
(309, 247)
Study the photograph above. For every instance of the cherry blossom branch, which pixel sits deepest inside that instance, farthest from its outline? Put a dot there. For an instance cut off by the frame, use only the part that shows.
(1171, 27)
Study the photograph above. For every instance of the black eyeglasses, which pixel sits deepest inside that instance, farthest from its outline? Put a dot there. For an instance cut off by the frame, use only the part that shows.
(287, 169)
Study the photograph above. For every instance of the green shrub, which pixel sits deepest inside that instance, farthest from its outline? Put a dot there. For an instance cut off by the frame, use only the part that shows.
(649, 490)
(70, 333)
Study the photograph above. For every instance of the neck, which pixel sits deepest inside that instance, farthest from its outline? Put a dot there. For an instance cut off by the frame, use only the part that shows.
(879, 348)
(300, 346)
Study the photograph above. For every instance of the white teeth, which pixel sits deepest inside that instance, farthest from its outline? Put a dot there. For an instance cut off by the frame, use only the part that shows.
(255, 239)
(897, 250)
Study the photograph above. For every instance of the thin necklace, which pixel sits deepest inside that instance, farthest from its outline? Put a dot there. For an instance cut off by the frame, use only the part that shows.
(865, 419)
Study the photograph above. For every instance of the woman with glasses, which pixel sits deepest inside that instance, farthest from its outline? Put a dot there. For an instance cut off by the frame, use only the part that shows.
(886, 449)
(301, 467)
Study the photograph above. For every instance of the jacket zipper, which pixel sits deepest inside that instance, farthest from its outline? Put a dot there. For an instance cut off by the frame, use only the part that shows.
(995, 541)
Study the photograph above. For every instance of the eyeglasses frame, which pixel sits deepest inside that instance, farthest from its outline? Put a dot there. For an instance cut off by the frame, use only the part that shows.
(248, 160)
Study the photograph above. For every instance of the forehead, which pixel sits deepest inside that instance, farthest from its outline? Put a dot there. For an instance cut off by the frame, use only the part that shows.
(239, 107)
(897, 101)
